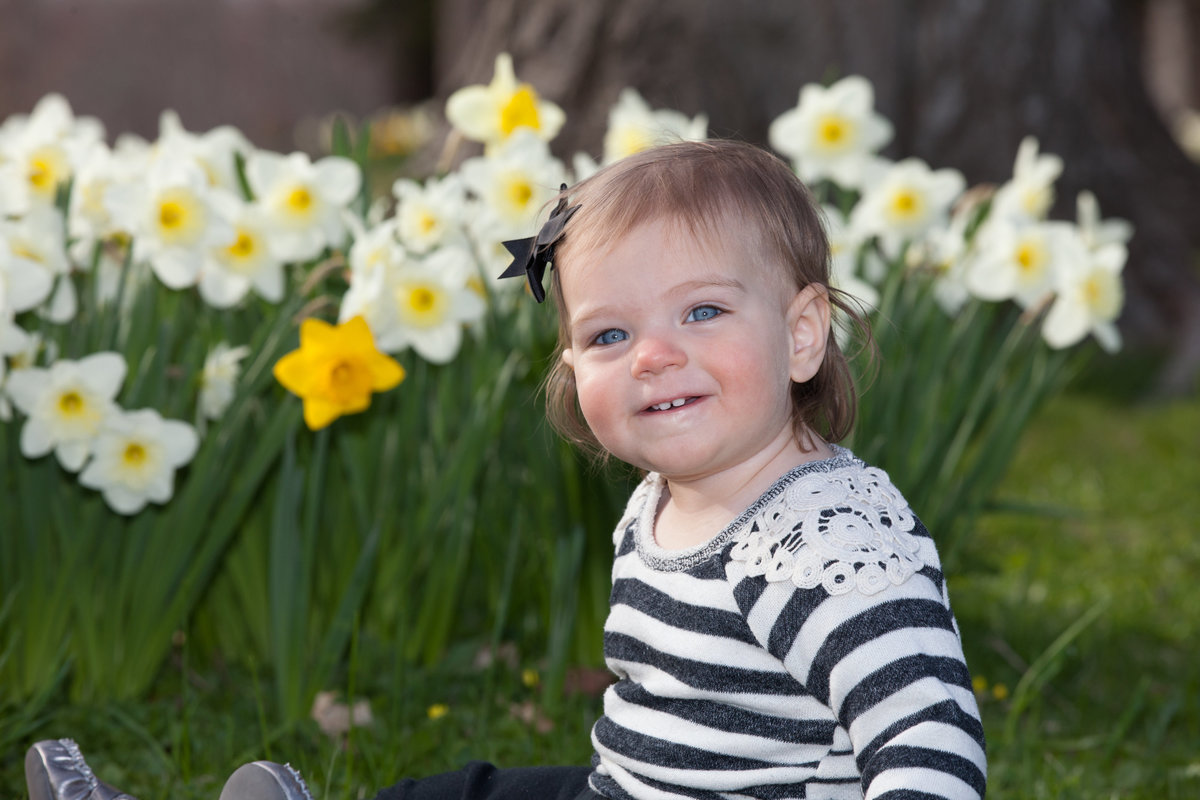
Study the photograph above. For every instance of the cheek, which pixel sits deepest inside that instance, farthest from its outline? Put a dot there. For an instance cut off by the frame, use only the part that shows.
(595, 394)
(760, 374)
(600, 402)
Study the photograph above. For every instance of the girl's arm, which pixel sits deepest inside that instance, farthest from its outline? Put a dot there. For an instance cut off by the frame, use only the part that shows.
(888, 663)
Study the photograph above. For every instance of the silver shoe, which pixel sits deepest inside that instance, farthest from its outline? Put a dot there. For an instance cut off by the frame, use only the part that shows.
(265, 780)
(55, 770)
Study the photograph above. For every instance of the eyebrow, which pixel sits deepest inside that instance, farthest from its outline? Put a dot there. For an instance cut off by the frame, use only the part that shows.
(696, 284)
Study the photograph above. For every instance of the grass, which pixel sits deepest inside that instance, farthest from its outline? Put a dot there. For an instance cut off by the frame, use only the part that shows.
(1101, 510)
(1076, 598)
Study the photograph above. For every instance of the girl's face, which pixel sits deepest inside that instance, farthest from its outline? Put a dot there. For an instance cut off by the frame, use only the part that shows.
(684, 352)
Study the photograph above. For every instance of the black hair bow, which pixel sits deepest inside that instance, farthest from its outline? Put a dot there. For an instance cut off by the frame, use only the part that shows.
(532, 254)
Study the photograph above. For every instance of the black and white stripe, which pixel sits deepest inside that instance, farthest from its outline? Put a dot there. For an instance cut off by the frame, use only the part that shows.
(734, 686)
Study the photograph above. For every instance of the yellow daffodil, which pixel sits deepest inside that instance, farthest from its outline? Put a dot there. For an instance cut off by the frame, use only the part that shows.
(336, 369)
(490, 114)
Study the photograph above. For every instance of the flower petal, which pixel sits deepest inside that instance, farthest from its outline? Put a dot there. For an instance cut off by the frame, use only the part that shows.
(339, 179)
(179, 441)
(103, 372)
(72, 454)
(319, 412)
(26, 387)
(123, 500)
(294, 373)
(386, 373)
(36, 439)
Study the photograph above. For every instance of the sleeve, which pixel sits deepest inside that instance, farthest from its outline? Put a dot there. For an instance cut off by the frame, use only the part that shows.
(886, 658)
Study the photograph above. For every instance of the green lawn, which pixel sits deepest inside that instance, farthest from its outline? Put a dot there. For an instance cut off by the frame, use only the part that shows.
(1077, 602)
(1096, 577)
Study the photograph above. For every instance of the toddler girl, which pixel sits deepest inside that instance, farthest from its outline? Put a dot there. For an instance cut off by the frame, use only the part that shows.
(779, 623)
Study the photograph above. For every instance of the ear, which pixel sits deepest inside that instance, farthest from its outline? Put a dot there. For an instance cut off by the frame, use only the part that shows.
(808, 322)
(568, 357)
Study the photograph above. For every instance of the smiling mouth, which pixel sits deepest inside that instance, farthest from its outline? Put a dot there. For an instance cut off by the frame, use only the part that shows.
(676, 403)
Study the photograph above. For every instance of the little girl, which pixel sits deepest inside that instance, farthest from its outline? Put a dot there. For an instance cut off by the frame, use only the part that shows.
(779, 623)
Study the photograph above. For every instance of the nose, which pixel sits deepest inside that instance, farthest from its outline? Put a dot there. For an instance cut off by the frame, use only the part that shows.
(656, 353)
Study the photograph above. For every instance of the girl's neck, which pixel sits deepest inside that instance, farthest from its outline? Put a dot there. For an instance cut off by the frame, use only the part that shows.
(691, 512)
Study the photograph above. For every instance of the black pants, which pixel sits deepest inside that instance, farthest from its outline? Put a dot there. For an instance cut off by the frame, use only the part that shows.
(482, 781)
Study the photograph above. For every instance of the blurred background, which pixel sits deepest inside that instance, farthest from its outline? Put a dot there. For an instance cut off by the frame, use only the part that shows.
(1075, 588)
(1109, 85)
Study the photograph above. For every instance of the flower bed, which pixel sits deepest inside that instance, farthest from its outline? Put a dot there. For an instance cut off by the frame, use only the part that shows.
(246, 398)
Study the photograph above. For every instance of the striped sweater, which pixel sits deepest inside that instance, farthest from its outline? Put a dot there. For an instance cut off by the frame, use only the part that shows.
(807, 651)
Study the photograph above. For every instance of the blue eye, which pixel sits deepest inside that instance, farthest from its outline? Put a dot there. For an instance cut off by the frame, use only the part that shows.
(703, 313)
(611, 336)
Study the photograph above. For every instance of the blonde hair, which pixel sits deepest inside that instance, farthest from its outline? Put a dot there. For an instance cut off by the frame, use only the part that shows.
(716, 189)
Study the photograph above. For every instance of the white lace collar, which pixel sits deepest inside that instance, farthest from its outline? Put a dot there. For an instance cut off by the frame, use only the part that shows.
(836, 523)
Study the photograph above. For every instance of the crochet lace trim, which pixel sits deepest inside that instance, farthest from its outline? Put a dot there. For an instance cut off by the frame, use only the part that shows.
(844, 529)
(643, 508)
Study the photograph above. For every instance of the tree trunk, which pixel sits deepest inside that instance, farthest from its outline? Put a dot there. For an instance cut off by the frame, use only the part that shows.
(962, 81)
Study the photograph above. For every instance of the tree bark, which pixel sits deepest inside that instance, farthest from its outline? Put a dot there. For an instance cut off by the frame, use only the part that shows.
(963, 81)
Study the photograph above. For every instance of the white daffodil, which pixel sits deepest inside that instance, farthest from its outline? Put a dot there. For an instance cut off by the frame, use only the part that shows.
(45, 148)
(215, 151)
(22, 347)
(18, 347)
(230, 270)
(1090, 297)
(633, 127)
(583, 166)
(904, 201)
(21, 288)
(429, 216)
(419, 304)
(13, 201)
(945, 250)
(136, 455)
(36, 242)
(304, 201)
(89, 219)
(514, 181)
(1022, 262)
(487, 239)
(844, 247)
(65, 405)
(1098, 233)
(218, 381)
(492, 113)
(375, 249)
(1027, 197)
(172, 219)
(832, 132)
